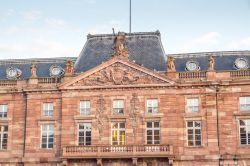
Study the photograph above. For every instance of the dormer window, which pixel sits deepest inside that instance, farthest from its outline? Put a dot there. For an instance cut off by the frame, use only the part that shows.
(241, 63)
(192, 65)
(56, 71)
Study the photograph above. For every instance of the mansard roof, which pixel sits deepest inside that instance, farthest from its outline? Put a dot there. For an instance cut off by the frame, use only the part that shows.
(144, 48)
(43, 65)
(224, 60)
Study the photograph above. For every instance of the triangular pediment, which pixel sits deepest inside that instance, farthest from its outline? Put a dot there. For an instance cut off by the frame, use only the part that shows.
(117, 73)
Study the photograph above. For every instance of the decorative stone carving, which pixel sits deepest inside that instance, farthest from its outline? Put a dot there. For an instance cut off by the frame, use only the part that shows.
(170, 64)
(134, 113)
(33, 71)
(118, 74)
(211, 62)
(120, 48)
(69, 68)
(100, 109)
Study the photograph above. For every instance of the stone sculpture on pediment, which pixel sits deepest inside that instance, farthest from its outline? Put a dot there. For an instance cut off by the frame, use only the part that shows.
(211, 62)
(33, 71)
(69, 68)
(118, 74)
(171, 64)
(120, 49)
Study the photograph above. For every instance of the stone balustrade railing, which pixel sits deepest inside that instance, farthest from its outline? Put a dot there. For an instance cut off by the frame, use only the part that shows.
(48, 80)
(117, 151)
(197, 75)
(8, 83)
(240, 74)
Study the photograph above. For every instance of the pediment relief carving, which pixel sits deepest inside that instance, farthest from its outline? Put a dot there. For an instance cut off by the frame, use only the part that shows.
(119, 74)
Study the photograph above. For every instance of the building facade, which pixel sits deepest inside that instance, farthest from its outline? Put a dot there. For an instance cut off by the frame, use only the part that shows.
(124, 102)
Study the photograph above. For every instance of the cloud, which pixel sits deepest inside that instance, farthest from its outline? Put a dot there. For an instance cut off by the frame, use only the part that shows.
(243, 43)
(31, 15)
(209, 38)
(9, 30)
(54, 22)
(37, 48)
(106, 27)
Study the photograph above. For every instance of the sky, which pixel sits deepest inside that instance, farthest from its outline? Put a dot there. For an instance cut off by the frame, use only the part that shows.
(59, 28)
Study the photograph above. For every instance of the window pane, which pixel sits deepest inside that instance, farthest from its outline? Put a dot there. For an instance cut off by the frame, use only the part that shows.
(84, 134)
(149, 124)
(190, 124)
(47, 135)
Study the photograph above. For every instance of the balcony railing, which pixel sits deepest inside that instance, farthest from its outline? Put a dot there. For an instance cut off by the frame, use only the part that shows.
(8, 82)
(240, 74)
(48, 80)
(198, 75)
(117, 151)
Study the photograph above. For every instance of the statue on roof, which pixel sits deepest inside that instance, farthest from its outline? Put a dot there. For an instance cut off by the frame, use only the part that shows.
(170, 64)
(211, 62)
(33, 71)
(69, 68)
(120, 48)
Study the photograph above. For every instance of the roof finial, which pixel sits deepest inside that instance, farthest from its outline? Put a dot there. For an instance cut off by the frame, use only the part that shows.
(120, 49)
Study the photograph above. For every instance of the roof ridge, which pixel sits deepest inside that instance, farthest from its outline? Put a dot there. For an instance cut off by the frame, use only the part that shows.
(36, 60)
(157, 33)
(216, 53)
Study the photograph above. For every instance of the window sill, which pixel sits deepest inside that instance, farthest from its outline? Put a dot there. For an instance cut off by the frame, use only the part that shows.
(83, 117)
(242, 113)
(4, 120)
(49, 118)
(195, 147)
(154, 115)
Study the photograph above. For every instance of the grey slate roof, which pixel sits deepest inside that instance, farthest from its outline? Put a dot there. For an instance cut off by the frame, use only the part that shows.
(144, 48)
(224, 60)
(43, 66)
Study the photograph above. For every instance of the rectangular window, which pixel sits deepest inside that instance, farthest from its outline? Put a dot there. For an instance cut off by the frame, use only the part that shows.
(118, 134)
(153, 132)
(118, 106)
(193, 104)
(3, 137)
(47, 133)
(85, 108)
(244, 103)
(48, 109)
(152, 105)
(194, 133)
(3, 110)
(84, 134)
(245, 131)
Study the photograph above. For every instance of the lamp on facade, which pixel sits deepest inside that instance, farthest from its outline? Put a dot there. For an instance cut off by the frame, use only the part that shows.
(221, 161)
(235, 160)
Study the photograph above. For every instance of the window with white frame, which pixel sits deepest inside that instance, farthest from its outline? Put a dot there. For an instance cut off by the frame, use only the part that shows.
(245, 103)
(85, 107)
(118, 133)
(192, 104)
(118, 106)
(48, 109)
(3, 137)
(152, 105)
(194, 133)
(84, 134)
(153, 132)
(3, 110)
(47, 136)
(244, 131)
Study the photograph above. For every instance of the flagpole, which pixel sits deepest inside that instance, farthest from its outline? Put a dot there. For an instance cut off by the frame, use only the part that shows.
(130, 11)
